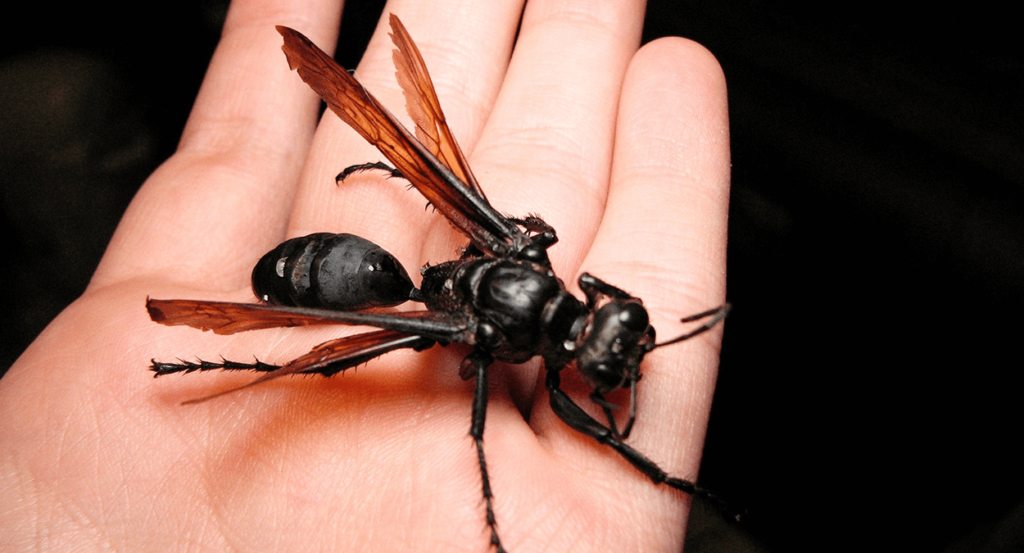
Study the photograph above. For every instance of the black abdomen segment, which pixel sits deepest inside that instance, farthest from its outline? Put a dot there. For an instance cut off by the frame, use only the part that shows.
(331, 271)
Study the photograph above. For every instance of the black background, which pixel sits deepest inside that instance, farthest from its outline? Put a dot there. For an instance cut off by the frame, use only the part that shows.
(868, 394)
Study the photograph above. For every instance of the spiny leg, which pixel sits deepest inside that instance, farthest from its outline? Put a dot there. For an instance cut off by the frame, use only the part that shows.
(182, 366)
(533, 224)
(327, 359)
(368, 167)
(578, 419)
(479, 361)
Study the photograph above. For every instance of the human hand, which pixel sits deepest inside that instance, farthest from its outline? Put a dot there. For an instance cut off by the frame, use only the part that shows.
(625, 153)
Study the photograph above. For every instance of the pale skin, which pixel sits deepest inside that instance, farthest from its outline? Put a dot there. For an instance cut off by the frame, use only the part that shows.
(624, 151)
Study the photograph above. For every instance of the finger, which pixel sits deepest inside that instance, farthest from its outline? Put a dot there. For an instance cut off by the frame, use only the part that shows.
(223, 198)
(664, 225)
(547, 147)
(663, 235)
(466, 47)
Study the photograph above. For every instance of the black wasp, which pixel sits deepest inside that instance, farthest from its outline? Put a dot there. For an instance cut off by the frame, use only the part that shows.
(501, 296)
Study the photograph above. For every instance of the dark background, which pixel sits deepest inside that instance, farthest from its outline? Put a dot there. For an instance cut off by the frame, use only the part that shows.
(868, 396)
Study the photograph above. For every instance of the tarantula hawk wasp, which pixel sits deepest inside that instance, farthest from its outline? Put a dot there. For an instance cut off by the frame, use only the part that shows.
(501, 297)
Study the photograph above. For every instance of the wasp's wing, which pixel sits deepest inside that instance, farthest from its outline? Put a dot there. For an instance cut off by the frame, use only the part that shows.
(229, 318)
(425, 109)
(334, 356)
(488, 230)
(328, 358)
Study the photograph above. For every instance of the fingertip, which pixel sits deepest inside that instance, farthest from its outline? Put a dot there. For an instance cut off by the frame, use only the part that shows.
(680, 77)
(681, 62)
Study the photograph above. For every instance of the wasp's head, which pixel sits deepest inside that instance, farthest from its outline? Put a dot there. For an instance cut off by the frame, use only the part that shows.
(609, 353)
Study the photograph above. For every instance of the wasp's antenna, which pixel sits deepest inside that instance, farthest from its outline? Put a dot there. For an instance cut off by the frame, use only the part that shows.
(716, 314)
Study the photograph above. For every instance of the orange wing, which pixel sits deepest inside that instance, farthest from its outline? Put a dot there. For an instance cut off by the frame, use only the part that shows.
(425, 109)
(490, 232)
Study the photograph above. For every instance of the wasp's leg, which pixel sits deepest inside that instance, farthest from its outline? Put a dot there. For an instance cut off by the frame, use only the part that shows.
(327, 359)
(579, 420)
(395, 173)
(477, 362)
(533, 223)
(594, 288)
(609, 408)
(182, 366)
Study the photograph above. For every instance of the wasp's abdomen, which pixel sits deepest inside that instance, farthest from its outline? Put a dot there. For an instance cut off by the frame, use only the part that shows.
(331, 271)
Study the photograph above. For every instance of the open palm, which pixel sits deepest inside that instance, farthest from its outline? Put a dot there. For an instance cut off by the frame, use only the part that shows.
(624, 152)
